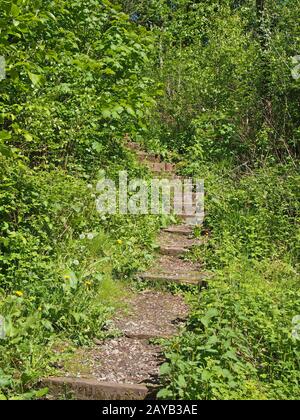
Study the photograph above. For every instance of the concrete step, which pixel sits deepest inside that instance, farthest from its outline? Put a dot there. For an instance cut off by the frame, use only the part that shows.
(161, 168)
(192, 220)
(148, 337)
(172, 250)
(145, 157)
(133, 146)
(180, 230)
(181, 278)
(91, 389)
(170, 167)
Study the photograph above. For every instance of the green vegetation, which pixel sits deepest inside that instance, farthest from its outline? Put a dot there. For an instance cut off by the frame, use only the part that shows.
(209, 85)
(72, 89)
(238, 344)
(230, 115)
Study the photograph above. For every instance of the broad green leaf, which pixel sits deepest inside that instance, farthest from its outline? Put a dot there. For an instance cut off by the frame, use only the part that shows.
(106, 113)
(212, 312)
(35, 78)
(164, 369)
(41, 393)
(164, 393)
(15, 10)
(28, 137)
(98, 147)
(181, 381)
(5, 135)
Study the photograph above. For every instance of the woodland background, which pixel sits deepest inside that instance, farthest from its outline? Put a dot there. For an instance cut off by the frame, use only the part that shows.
(206, 84)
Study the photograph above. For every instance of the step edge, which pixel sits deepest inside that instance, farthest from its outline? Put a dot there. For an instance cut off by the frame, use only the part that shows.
(91, 388)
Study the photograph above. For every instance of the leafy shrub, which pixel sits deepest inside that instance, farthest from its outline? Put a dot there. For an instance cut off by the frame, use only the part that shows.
(251, 213)
(239, 344)
(57, 261)
(74, 85)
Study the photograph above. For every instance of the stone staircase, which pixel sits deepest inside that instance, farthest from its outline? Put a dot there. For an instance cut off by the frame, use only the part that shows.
(128, 367)
(174, 241)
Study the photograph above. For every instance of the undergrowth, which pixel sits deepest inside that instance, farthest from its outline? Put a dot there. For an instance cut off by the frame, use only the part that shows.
(239, 341)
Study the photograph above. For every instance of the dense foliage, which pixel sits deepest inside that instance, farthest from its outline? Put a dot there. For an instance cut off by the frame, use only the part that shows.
(206, 83)
(73, 88)
(226, 69)
(230, 114)
(239, 343)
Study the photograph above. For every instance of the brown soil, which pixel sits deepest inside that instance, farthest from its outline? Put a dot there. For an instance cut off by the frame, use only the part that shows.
(124, 360)
(132, 359)
(174, 265)
(175, 240)
(152, 314)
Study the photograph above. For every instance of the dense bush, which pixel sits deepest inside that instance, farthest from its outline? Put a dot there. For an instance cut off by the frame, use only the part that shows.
(230, 115)
(253, 213)
(73, 88)
(226, 71)
(79, 76)
(73, 83)
(239, 342)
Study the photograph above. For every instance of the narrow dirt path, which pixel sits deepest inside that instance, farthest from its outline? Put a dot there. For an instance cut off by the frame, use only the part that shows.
(128, 367)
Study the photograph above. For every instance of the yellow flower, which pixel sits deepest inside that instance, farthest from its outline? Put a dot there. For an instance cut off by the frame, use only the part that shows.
(88, 283)
(19, 293)
(67, 277)
(119, 241)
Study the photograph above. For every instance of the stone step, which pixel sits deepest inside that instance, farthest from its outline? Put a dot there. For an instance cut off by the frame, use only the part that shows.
(181, 278)
(192, 220)
(146, 336)
(133, 146)
(162, 167)
(157, 167)
(170, 167)
(162, 175)
(152, 315)
(166, 175)
(172, 250)
(187, 207)
(91, 389)
(179, 229)
(145, 157)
